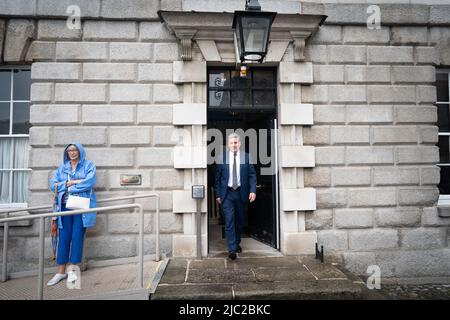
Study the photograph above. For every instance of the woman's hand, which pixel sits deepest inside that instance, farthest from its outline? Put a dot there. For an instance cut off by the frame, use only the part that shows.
(72, 182)
(54, 227)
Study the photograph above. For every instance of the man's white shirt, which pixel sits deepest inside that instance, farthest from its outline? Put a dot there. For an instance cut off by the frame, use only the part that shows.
(238, 168)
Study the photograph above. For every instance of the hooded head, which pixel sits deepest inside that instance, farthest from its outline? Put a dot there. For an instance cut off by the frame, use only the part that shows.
(80, 148)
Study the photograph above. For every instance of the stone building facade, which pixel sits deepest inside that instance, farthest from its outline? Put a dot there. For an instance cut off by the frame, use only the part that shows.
(357, 121)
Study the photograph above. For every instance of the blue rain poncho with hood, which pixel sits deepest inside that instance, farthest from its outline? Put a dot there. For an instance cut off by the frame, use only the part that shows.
(86, 172)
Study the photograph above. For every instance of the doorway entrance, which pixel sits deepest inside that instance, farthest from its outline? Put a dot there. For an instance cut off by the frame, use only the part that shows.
(246, 105)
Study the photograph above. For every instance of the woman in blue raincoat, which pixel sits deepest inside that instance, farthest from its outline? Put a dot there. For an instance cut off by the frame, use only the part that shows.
(76, 176)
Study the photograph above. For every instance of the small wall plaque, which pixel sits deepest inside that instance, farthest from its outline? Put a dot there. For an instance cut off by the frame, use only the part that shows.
(130, 180)
(198, 192)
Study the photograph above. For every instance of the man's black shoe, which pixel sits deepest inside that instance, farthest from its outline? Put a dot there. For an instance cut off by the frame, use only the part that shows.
(239, 249)
(232, 255)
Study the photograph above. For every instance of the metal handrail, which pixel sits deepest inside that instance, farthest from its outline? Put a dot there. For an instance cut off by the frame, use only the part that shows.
(98, 209)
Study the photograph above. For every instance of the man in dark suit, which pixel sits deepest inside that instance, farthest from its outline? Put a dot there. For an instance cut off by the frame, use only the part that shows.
(235, 185)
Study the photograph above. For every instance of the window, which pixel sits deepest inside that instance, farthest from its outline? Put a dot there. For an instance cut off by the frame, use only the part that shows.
(14, 134)
(226, 89)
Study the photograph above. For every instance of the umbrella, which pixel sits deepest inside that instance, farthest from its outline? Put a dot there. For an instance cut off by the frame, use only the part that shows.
(54, 228)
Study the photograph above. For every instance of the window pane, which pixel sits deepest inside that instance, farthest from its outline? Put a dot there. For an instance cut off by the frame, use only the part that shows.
(4, 118)
(442, 87)
(5, 153)
(444, 184)
(20, 187)
(219, 98)
(263, 98)
(443, 149)
(263, 79)
(240, 98)
(21, 152)
(22, 84)
(443, 117)
(21, 118)
(240, 82)
(219, 79)
(5, 85)
(4, 187)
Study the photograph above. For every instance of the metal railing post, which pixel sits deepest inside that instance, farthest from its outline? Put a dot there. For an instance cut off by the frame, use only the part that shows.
(157, 229)
(41, 258)
(141, 246)
(5, 251)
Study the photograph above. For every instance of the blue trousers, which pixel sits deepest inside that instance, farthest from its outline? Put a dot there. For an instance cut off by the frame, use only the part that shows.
(233, 210)
(70, 239)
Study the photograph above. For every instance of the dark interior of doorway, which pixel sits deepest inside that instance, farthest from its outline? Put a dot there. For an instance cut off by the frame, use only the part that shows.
(259, 219)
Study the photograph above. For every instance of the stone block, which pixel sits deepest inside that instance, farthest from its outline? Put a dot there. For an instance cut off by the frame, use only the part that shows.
(358, 262)
(350, 134)
(40, 180)
(300, 243)
(154, 157)
(154, 114)
(418, 196)
(347, 93)
(40, 136)
(130, 136)
(116, 157)
(166, 93)
(19, 34)
(351, 176)
(417, 154)
(183, 202)
(316, 135)
(80, 92)
(296, 72)
(110, 30)
(430, 176)
(332, 240)
(331, 198)
(46, 71)
(415, 114)
(415, 74)
(41, 92)
(362, 34)
(189, 71)
(58, 8)
(427, 55)
(347, 54)
(189, 157)
(328, 73)
(372, 74)
(319, 220)
(303, 199)
(409, 35)
(155, 72)
(130, 93)
(431, 218)
(395, 176)
(327, 34)
(81, 51)
(19, 7)
(369, 155)
(41, 51)
(374, 239)
(369, 114)
(391, 54)
(317, 177)
(353, 218)
(423, 238)
(329, 155)
(109, 72)
(56, 30)
(315, 94)
(132, 9)
(366, 197)
(55, 114)
(165, 52)
(166, 135)
(168, 179)
(43, 158)
(329, 114)
(108, 114)
(150, 31)
(397, 217)
(125, 51)
(88, 136)
(426, 94)
(394, 134)
(429, 134)
(184, 245)
(109, 247)
(315, 53)
(128, 223)
(189, 114)
(297, 156)
(393, 94)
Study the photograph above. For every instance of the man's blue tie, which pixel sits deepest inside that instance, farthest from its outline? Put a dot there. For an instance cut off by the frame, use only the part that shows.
(235, 179)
